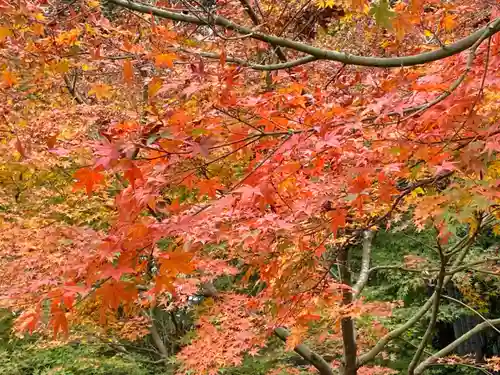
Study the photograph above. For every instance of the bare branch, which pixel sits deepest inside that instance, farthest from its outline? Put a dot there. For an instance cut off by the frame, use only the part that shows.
(434, 314)
(471, 309)
(255, 19)
(371, 354)
(365, 262)
(246, 63)
(472, 264)
(71, 86)
(319, 53)
(449, 348)
(314, 359)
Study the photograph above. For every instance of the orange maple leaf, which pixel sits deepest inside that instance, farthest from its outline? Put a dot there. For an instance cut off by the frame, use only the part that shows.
(209, 187)
(9, 78)
(115, 272)
(165, 60)
(132, 174)
(59, 321)
(87, 178)
(176, 262)
(338, 220)
(449, 22)
(20, 148)
(28, 321)
(128, 71)
(114, 293)
(101, 91)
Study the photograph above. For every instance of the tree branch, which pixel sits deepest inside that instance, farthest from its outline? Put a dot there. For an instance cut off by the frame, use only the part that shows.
(155, 335)
(371, 354)
(434, 314)
(319, 53)
(255, 20)
(471, 309)
(71, 86)
(472, 264)
(449, 348)
(456, 83)
(396, 332)
(314, 359)
(365, 262)
(347, 323)
(246, 63)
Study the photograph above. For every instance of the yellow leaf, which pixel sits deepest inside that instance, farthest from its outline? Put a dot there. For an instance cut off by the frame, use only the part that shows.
(4, 32)
(89, 29)
(417, 192)
(68, 38)
(287, 185)
(93, 3)
(428, 33)
(165, 60)
(154, 86)
(296, 335)
(494, 170)
(38, 29)
(385, 43)
(39, 17)
(61, 66)
(101, 91)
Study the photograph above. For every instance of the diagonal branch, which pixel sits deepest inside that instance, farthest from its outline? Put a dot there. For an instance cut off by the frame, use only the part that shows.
(371, 354)
(449, 348)
(255, 19)
(471, 309)
(319, 53)
(71, 86)
(434, 314)
(313, 358)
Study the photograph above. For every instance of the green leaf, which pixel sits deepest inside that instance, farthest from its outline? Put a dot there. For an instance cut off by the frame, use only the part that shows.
(152, 139)
(382, 13)
(199, 131)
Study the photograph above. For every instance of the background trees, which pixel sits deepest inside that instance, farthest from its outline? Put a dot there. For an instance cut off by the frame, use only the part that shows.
(200, 175)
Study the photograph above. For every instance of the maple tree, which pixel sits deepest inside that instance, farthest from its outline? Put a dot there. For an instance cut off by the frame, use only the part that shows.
(249, 141)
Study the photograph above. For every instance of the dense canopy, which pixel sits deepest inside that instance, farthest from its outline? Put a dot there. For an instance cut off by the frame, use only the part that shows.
(254, 162)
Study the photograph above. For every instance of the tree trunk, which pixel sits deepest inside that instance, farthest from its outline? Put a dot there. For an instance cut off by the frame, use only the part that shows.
(347, 324)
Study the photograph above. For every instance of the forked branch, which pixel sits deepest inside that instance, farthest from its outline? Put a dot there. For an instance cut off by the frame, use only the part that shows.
(318, 53)
(314, 359)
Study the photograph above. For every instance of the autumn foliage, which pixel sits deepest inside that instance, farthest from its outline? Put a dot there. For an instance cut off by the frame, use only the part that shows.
(151, 151)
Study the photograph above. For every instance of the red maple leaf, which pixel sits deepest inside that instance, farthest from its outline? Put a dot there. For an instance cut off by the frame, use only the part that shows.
(132, 173)
(338, 220)
(115, 272)
(108, 154)
(87, 178)
(59, 321)
(209, 187)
